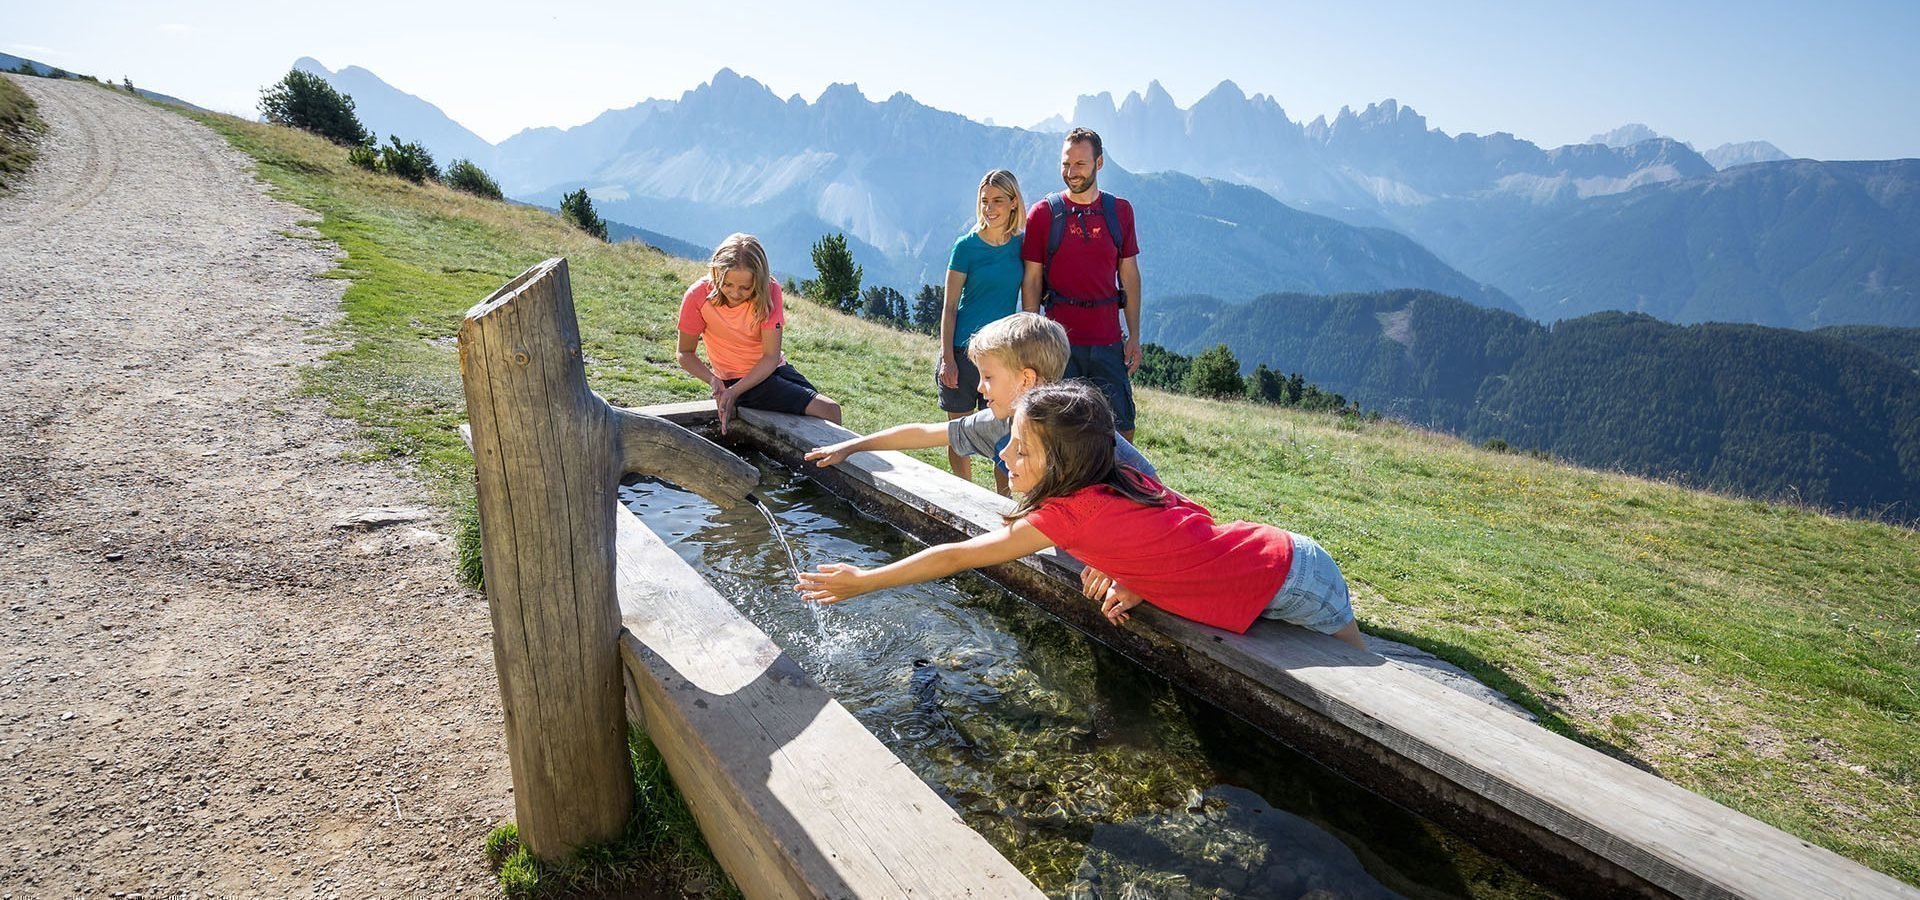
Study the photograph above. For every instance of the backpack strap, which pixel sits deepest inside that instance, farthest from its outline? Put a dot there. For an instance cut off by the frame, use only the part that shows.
(1111, 209)
(1056, 223)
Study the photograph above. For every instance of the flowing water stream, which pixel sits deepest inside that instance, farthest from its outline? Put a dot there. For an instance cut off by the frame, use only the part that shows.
(1094, 776)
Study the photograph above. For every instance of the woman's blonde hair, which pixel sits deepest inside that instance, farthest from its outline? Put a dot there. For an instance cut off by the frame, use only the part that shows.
(1073, 425)
(1004, 180)
(743, 251)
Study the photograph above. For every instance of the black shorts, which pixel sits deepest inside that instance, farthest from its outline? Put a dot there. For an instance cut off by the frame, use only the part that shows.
(965, 398)
(786, 391)
(1105, 365)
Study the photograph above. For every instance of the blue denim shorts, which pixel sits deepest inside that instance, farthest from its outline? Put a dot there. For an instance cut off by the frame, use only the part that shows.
(1314, 596)
(1105, 365)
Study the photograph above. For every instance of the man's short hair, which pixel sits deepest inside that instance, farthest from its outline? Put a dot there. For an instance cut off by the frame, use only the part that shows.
(1024, 340)
(1090, 136)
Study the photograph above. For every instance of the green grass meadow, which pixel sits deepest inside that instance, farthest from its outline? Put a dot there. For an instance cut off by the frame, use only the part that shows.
(1763, 655)
(19, 125)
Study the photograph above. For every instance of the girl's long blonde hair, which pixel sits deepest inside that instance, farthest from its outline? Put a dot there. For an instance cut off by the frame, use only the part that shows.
(743, 251)
(1074, 426)
(1004, 180)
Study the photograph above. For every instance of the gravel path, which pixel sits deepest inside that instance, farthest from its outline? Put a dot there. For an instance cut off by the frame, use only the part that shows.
(206, 687)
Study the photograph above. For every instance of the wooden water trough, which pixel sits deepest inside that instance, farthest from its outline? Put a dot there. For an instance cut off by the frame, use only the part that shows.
(798, 800)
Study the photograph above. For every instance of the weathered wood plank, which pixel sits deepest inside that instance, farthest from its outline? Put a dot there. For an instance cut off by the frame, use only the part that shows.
(1634, 832)
(795, 797)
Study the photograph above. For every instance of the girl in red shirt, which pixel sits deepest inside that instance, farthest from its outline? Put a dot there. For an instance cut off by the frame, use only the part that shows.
(1139, 540)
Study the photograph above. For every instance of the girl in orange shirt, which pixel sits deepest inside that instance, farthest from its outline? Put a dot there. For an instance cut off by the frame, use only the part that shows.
(738, 309)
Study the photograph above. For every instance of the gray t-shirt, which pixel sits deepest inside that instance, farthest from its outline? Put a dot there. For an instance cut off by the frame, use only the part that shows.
(981, 434)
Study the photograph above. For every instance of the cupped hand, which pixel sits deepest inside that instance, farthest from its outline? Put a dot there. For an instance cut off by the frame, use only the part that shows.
(949, 373)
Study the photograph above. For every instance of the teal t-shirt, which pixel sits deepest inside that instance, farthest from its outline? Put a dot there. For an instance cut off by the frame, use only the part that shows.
(992, 288)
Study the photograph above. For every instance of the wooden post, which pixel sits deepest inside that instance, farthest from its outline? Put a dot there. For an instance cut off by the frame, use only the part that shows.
(549, 454)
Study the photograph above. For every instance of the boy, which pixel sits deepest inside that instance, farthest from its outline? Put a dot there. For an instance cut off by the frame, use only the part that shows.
(1014, 355)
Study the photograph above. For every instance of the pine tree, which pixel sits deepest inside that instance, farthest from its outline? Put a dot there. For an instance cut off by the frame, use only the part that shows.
(577, 208)
(839, 281)
(307, 101)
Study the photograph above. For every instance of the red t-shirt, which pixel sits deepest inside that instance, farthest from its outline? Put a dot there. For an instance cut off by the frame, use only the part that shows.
(1085, 267)
(1173, 555)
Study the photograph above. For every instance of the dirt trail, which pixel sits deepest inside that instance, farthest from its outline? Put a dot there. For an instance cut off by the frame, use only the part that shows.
(206, 688)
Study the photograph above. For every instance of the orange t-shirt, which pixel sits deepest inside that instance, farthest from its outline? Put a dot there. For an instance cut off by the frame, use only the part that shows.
(734, 343)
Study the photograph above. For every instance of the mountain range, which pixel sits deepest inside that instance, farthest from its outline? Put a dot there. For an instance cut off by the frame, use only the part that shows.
(1235, 199)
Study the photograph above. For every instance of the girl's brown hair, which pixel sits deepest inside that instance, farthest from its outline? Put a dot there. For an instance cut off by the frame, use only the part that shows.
(1074, 427)
(743, 251)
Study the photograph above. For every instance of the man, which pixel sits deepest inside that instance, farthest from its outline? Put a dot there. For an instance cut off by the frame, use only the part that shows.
(1080, 255)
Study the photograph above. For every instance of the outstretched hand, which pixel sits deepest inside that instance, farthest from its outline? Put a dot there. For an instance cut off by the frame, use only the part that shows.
(830, 455)
(833, 583)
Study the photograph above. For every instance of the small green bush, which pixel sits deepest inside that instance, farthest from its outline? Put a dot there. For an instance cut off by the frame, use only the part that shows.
(409, 160)
(366, 156)
(463, 175)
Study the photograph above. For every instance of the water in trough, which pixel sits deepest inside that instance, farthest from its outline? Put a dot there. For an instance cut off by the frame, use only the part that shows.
(1096, 777)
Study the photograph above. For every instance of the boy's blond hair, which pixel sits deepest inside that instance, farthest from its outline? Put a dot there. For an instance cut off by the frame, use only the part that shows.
(1024, 340)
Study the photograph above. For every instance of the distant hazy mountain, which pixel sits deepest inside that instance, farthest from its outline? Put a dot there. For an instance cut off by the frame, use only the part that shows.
(1626, 135)
(388, 111)
(537, 157)
(1796, 244)
(898, 178)
(1629, 221)
(1818, 417)
(1726, 156)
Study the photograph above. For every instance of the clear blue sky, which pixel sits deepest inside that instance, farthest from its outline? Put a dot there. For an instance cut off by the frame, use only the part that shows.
(1831, 80)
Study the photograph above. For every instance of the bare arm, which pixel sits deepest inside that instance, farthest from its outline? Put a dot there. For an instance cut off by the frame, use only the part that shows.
(1130, 282)
(835, 582)
(899, 437)
(949, 313)
(1030, 288)
(691, 362)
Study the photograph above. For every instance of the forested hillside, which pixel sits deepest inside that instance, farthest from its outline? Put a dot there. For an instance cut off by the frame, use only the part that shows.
(1831, 418)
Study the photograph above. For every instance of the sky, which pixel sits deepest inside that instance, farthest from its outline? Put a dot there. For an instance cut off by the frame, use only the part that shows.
(1832, 80)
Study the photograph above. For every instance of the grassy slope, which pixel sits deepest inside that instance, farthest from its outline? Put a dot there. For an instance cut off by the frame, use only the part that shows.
(18, 125)
(1763, 655)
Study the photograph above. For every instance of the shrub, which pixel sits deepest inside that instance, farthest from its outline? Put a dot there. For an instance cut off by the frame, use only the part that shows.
(1162, 368)
(463, 175)
(307, 101)
(1215, 373)
(410, 161)
(366, 156)
(577, 208)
